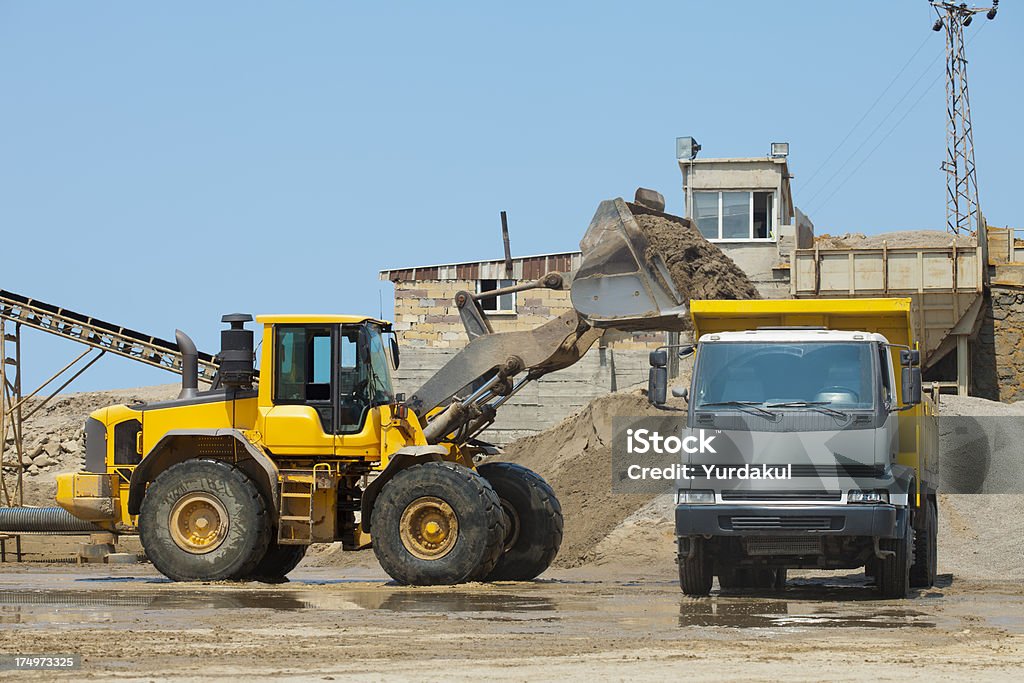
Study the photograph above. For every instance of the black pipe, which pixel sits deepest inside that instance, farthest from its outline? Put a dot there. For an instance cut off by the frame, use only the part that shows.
(55, 519)
(189, 365)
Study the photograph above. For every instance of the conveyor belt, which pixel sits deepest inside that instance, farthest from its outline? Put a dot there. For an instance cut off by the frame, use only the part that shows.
(99, 334)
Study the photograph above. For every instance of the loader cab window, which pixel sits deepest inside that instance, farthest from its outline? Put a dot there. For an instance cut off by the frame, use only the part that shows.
(303, 369)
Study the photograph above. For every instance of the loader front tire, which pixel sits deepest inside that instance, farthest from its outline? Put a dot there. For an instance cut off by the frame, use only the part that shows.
(278, 561)
(437, 523)
(534, 521)
(204, 520)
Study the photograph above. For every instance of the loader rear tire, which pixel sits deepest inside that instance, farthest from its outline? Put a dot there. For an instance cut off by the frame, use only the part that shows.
(204, 520)
(695, 569)
(534, 521)
(437, 523)
(278, 561)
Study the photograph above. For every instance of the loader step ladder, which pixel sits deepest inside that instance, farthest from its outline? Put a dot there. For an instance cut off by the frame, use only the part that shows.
(296, 520)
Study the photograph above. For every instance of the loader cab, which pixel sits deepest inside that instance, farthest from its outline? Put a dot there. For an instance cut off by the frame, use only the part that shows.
(320, 378)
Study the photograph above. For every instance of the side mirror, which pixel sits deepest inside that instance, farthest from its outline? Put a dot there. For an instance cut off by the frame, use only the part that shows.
(681, 392)
(909, 358)
(394, 351)
(657, 378)
(911, 385)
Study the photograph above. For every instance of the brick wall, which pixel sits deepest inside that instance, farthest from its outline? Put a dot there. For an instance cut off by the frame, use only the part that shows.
(426, 315)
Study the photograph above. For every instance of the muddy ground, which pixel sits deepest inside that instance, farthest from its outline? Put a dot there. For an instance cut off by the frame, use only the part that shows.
(129, 623)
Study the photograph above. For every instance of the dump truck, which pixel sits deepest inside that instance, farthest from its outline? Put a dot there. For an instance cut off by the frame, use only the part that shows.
(236, 481)
(825, 457)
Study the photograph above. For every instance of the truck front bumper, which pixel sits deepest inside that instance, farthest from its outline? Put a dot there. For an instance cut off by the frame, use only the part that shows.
(789, 520)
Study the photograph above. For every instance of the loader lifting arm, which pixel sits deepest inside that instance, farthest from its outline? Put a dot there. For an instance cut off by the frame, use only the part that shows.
(620, 285)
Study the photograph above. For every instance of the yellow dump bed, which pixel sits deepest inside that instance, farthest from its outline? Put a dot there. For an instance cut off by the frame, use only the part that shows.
(889, 317)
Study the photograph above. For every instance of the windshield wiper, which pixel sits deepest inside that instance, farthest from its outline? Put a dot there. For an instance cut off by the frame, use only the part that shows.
(820, 406)
(750, 406)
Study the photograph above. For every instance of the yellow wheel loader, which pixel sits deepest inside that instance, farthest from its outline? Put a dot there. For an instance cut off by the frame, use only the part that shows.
(236, 481)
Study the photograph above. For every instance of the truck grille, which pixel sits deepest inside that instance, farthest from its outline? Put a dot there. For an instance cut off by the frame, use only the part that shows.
(783, 495)
(801, 523)
(782, 545)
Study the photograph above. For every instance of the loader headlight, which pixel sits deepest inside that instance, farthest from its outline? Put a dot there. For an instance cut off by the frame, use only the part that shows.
(875, 497)
(695, 497)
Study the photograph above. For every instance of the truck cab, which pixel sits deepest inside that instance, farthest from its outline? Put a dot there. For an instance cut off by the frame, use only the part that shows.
(824, 454)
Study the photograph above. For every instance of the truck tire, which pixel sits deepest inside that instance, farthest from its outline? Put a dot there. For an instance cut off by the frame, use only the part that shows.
(437, 523)
(893, 576)
(534, 521)
(922, 573)
(204, 520)
(695, 570)
(277, 562)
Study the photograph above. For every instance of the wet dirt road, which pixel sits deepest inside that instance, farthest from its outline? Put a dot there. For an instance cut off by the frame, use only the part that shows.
(129, 623)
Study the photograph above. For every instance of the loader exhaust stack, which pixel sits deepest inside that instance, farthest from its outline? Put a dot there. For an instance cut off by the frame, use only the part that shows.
(189, 365)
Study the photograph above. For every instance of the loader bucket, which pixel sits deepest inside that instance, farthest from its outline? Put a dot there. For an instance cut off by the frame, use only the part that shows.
(620, 283)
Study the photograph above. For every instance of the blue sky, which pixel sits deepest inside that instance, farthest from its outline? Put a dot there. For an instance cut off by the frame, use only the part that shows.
(164, 163)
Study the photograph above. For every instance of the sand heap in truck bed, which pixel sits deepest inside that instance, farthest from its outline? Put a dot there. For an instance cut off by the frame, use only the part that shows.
(699, 269)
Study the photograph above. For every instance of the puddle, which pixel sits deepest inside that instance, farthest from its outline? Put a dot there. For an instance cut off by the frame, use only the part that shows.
(72, 607)
(749, 613)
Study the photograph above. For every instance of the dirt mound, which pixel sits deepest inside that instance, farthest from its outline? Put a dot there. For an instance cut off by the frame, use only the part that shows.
(699, 269)
(904, 238)
(575, 458)
(54, 441)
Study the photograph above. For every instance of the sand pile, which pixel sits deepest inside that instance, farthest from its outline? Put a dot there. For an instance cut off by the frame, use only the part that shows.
(893, 240)
(981, 534)
(575, 458)
(699, 269)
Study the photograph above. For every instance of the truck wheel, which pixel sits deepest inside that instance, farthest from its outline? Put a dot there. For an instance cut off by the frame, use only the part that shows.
(437, 523)
(278, 561)
(695, 575)
(534, 521)
(922, 573)
(204, 520)
(893, 576)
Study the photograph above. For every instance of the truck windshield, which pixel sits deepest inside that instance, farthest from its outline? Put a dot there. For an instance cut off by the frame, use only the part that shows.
(838, 374)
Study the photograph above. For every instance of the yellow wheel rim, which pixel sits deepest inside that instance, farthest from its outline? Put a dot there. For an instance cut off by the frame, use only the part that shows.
(198, 523)
(429, 528)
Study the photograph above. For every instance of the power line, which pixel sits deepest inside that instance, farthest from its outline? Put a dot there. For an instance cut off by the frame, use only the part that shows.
(878, 127)
(891, 130)
(867, 112)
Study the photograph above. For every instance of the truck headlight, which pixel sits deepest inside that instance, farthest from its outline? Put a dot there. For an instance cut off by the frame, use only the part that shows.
(868, 497)
(695, 497)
